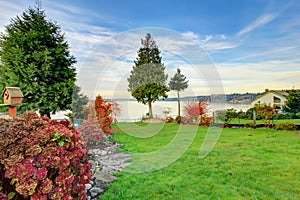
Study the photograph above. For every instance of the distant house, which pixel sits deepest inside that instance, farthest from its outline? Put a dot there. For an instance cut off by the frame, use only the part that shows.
(276, 98)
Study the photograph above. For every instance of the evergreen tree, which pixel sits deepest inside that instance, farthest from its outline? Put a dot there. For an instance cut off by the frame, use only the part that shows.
(79, 101)
(147, 81)
(36, 58)
(293, 101)
(179, 83)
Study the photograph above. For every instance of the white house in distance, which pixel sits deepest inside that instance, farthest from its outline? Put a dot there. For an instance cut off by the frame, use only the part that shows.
(276, 98)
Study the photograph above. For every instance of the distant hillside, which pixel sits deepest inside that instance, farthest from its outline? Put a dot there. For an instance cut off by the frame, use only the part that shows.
(241, 98)
(235, 98)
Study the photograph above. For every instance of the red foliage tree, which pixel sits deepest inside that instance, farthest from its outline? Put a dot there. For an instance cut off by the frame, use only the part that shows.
(103, 114)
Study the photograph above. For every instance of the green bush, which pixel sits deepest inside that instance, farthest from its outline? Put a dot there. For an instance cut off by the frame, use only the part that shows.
(206, 120)
(250, 125)
(41, 159)
(284, 116)
(286, 126)
(178, 119)
(169, 119)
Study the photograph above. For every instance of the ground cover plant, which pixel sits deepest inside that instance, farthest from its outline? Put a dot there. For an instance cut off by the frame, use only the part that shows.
(245, 164)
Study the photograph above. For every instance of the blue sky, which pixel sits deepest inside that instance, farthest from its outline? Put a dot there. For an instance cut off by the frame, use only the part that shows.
(220, 45)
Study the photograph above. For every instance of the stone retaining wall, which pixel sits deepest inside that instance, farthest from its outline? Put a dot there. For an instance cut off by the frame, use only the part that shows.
(105, 163)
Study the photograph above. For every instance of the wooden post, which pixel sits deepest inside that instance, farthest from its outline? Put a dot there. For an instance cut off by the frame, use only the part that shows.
(254, 117)
(12, 111)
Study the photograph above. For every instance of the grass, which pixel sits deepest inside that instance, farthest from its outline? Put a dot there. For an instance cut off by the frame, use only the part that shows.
(244, 164)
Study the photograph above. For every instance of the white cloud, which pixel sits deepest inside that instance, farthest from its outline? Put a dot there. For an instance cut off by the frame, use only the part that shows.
(262, 20)
(191, 35)
(215, 46)
(212, 42)
(207, 38)
(255, 77)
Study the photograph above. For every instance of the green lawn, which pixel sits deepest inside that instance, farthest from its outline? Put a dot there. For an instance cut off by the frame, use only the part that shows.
(245, 164)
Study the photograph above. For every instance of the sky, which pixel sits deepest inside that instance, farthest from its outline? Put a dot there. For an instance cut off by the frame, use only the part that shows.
(222, 46)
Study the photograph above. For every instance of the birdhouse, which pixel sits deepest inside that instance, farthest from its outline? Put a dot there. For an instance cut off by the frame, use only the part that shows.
(12, 96)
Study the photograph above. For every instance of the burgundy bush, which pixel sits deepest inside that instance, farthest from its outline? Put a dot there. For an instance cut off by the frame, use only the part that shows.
(91, 133)
(41, 159)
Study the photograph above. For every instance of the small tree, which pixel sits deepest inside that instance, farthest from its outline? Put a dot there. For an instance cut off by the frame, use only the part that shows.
(147, 81)
(267, 113)
(179, 83)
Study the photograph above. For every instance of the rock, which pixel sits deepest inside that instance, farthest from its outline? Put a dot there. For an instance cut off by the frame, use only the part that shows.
(103, 153)
(95, 191)
(105, 161)
(88, 186)
(106, 181)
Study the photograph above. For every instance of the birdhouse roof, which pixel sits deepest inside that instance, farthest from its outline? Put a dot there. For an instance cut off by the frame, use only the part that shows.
(13, 91)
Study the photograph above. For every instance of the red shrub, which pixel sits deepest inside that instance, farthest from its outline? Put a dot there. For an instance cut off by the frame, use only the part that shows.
(194, 109)
(90, 132)
(41, 159)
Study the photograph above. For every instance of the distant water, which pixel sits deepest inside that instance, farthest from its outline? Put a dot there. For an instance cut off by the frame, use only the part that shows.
(134, 111)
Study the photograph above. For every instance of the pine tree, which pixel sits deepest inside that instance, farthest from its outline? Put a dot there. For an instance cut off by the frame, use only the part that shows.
(147, 81)
(293, 101)
(78, 102)
(179, 83)
(36, 58)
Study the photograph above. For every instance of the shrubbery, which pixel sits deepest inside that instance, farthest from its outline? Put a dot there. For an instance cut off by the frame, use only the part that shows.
(194, 109)
(286, 126)
(169, 119)
(206, 120)
(91, 133)
(250, 125)
(284, 116)
(178, 119)
(41, 159)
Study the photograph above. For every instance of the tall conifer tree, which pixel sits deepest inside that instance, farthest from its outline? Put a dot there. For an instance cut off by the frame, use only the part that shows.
(35, 57)
(147, 81)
